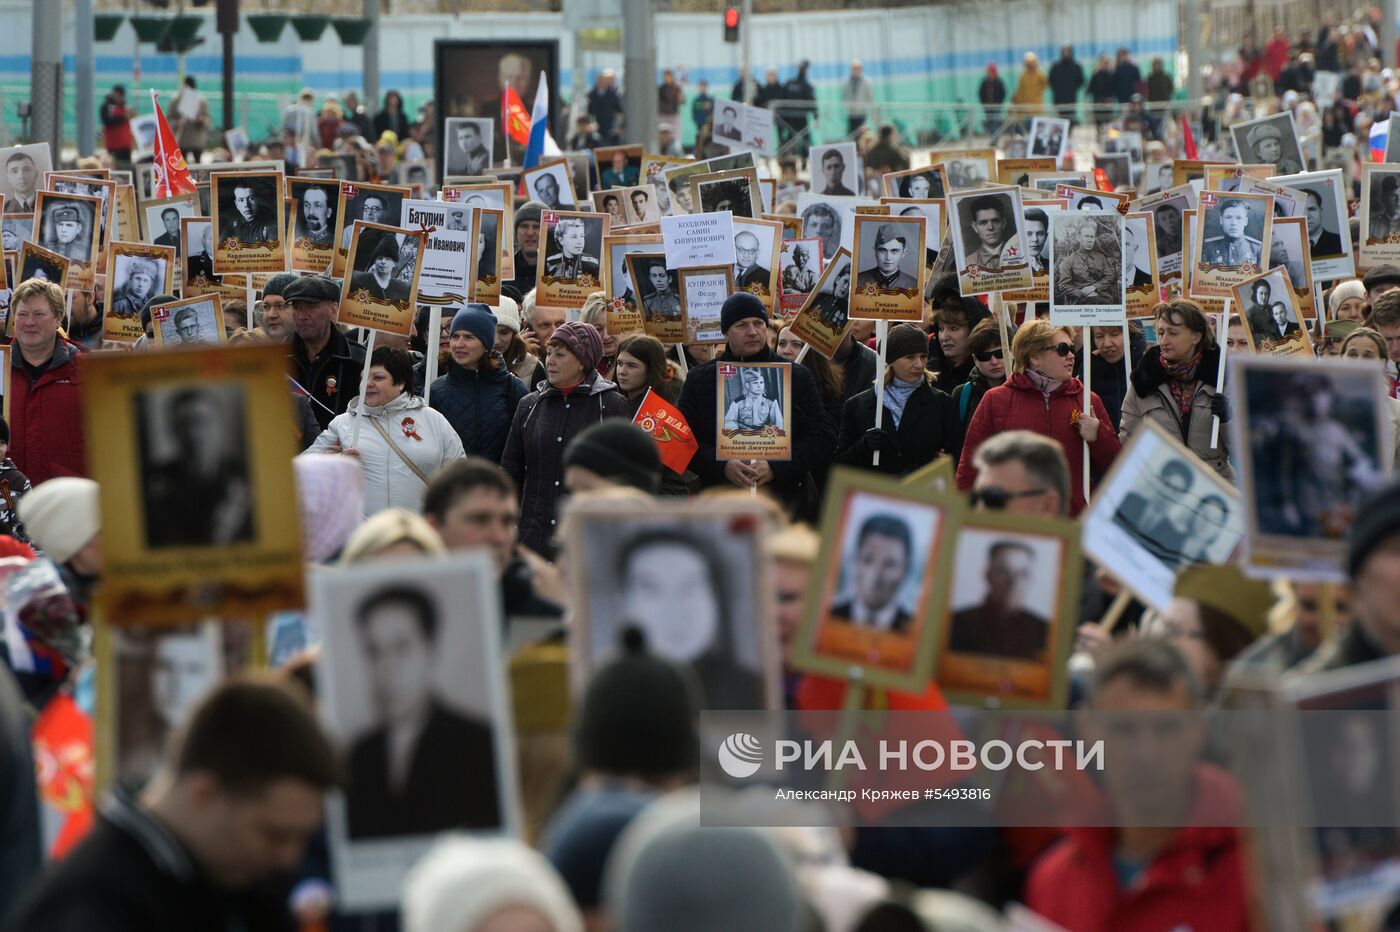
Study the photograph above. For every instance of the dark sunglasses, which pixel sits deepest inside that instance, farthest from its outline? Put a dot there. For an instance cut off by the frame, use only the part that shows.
(996, 498)
(1064, 349)
(989, 355)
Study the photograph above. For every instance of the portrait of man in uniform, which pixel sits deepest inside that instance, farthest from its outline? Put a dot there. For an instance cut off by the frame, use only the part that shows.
(1233, 247)
(1001, 624)
(136, 281)
(986, 220)
(891, 247)
(248, 216)
(469, 152)
(316, 217)
(833, 306)
(67, 230)
(660, 300)
(569, 261)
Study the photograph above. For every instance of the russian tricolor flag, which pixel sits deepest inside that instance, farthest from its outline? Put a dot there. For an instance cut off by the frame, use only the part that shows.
(1380, 135)
(541, 143)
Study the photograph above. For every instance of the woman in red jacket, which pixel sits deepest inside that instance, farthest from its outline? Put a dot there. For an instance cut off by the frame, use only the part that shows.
(1042, 395)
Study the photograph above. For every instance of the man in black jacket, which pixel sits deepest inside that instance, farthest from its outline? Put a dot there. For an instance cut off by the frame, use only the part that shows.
(744, 322)
(215, 844)
(323, 360)
(1066, 80)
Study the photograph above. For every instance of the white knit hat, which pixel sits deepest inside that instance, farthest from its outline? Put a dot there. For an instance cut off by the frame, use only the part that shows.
(462, 881)
(508, 313)
(61, 516)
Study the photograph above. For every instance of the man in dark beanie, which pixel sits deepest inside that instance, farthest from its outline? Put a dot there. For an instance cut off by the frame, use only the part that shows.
(609, 454)
(744, 321)
(1373, 563)
(272, 313)
(527, 245)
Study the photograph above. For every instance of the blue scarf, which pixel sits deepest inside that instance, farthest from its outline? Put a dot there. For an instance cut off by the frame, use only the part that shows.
(897, 395)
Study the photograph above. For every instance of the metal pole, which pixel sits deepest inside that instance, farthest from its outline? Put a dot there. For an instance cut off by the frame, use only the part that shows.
(745, 36)
(1194, 61)
(227, 22)
(371, 59)
(46, 75)
(86, 76)
(1388, 33)
(639, 63)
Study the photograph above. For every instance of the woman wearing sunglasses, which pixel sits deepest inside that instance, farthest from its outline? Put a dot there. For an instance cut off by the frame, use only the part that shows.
(1042, 395)
(988, 371)
(1174, 384)
(919, 424)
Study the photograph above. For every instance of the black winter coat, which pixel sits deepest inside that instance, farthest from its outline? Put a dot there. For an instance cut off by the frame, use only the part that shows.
(813, 436)
(479, 404)
(333, 378)
(927, 429)
(544, 423)
(1110, 382)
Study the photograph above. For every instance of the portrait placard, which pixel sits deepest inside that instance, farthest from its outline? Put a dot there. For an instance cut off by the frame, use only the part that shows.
(935, 214)
(15, 229)
(824, 319)
(448, 252)
(858, 615)
(1116, 167)
(1140, 285)
(1329, 232)
(889, 254)
(486, 256)
(67, 224)
(470, 78)
(918, 184)
(1077, 198)
(756, 245)
(496, 196)
(1049, 137)
(833, 218)
(1086, 268)
(90, 185)
(200, 514)
(1160, 509)
(467, 143)
(965, 168)
(624, 308)
(1157, 176)
(1227, 178)
(1270, 140)
(34, 261)
(136, 273)
(249, 216)
(381, 291)
(753, 405)
(1228, 240)
(658, 290)
(197, 236)
(834, 169)
(1007, 618)
(703, 292)
(1289, 250)
(1288, 202)
(1312, 438)
(740, 126)
(1037, 223)
(1192, 172)
(1270, 315)
(193, 321)
(160, 219)
(417, 175)
(1380, 215)
(694, 576)
(734, 191)
(988, 232)
(1017, 172)
(569, 269)
(550, 184)
(22, 173)
(1168, 226)
(677, 177)
(316, 202)
(124, 217)
(413, 694)
(372, 203)
(696, 240)
(617, 166)
(798, 263)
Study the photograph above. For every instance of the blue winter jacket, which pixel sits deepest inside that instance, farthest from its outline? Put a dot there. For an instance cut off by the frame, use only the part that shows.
(479, 404)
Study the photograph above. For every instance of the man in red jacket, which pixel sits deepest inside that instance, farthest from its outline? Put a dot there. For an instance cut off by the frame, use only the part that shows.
(1154, 876)
(46, 425)
(117, 137)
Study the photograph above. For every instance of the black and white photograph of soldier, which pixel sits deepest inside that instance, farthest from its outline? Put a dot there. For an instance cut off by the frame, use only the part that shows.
(889, 255)
(753, 400)
(1270, 140)
(198, 322)
(247, 208)
(316, 203)
(1087, 269)
(798, 265)
(987, 228)
(163, 223)
(659, 288)
(753, 258)
(383, 207)
(572, 248)
(199, 250)
(66, 227)
(1167, 223)
(1233, 230)
(549, 184)
(1048, 137)
(822, 221)
(16, 229)
(375, 267)
(1005, 594)
(886, 554)
(88, 188)
(468, 145)
(22, 171)
(194, 459)
(134, 280)
(832, 303)
(834, 170)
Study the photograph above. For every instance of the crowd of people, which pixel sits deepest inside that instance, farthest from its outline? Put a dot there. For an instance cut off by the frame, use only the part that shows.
(529, 412)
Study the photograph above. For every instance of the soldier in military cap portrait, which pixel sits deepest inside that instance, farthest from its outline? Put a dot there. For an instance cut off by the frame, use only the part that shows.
(67, 229)
(139, 283)
(1233, 247)
(1270, 141)
(891, 248)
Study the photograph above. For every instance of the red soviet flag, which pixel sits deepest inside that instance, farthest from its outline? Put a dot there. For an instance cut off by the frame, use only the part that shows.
(515, 119)
(170, 174)
(667, 426)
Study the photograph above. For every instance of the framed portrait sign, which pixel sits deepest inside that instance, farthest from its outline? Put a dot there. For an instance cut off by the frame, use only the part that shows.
(624, 303)
(799, 262)
(1208, 304)
(1168, 225)
(1116, 167)
(1160, 509)
(550, 184)
(703, 292)
(988, 232)
(1140, 284)
(618, 166)
(569, 269)
(484, 270)
(22, 173)
(1077, 198)
(756, 248)
(861, 623)
(470, 77)
(15, 229)
(381, 291)
(1037, 222)
(1006, 620)
(497, 196)
(1329, 231)
(645, 567)
(934, 212)
(824, 319)
(411, 691)
(1017, 172)
(34, 261)
(315, 202)
(92, 186)
(1270, 140)
(124, 216)
(1192, 172)
(917, 184)
(467, 145)
(1086, 268)
(372, 203)
(201, 512)
(1288, 202)
(734, 190)
(1289, 250)
(1380, 215)
(135, 272)
(965, 168)
(249, 218)
(1049, 137)
(197, 234)
(448, 251)
(67, 224)
(1227, 178)
(1273, 322)
(1227, 243)
(753, 403)
(193, 321)
(889, 257)
(160, 219)
(657, 290)
(835, 169)
(1303, 478)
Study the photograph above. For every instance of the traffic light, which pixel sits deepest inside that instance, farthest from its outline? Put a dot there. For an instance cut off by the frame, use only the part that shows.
(731, 24)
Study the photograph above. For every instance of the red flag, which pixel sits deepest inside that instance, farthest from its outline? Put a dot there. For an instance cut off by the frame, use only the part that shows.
(1101, 180)
(674, 441)
(1188, 142)
(63, 760)
(515, 119)
(169, 175)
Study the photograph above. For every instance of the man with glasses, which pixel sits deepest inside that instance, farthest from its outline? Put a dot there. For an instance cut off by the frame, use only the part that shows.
(273, 313)
(1021, 473)
(747, 271)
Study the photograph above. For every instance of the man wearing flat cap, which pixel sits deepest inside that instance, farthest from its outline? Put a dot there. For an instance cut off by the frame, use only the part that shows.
(378, 280)
(891, 242)
(323, 360)
(250, 221)
(68, 239)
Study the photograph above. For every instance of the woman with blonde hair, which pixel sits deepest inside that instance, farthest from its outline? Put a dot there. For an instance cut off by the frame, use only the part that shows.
(1042, 395)
(595, 314)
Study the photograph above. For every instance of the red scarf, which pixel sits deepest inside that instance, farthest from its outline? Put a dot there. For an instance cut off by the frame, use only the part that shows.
(1182, 384)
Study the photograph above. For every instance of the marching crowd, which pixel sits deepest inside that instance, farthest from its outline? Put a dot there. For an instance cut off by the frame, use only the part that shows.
(531, 408)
